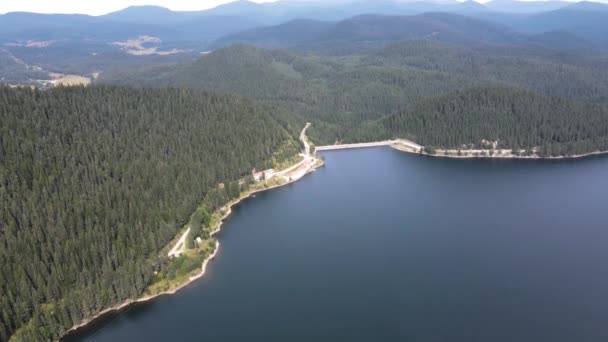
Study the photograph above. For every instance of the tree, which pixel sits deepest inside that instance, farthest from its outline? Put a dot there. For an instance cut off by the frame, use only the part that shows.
(97, 180)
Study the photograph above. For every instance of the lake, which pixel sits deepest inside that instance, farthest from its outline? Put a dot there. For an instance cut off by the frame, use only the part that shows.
(384, 245)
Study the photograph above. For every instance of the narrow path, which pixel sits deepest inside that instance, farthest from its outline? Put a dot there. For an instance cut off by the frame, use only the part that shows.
(179, 247)
(303, 138)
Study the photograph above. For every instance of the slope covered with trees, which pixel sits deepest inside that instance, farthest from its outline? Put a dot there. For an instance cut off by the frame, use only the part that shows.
(374, 31)
(514, 118)
(339, 94)
(543, 71)
(369, 31)
(95, 181)
(14, 71)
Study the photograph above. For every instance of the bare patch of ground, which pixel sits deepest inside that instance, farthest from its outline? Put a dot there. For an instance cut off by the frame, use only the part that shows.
(137, 47)
(66, 80)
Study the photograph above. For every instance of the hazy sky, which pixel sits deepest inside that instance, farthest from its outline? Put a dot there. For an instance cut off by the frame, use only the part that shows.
(96, 7)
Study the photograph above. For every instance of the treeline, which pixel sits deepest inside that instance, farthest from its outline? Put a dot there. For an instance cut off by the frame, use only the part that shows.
(514, 118)
(95, 181)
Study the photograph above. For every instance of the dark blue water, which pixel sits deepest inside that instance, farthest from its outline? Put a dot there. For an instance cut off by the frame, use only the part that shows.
(381, 245)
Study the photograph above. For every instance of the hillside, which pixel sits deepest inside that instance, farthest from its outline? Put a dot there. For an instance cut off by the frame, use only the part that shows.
(568, 30)
(289, 34)
(515, 118)
(434, 26)
(373, 31)
(97, 180)
(541, 71)
(565, 41)
(15, 71)
(82, 44)
(86, 45)
(586, 20)
(337, 93)
(341, 93)
(282, 11)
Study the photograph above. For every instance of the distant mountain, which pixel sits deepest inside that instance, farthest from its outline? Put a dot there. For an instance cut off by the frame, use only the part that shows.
(242, 6)
(586, 20)
(299, 31)
(205, 26)
(434, 26)
(470, 6)
(588, 6)
(129, 23)
(370, 31)
(78, 42)
(16, 27)
(282, 11)
(86, 44)
(514, 6)
(20, 25)
(148, 14)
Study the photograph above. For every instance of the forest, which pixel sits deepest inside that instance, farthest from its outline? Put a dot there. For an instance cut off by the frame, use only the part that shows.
(346, 96)
(514, 118)
(95, 181)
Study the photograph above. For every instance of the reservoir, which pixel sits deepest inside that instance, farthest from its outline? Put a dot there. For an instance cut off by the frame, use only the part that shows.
(381, 245)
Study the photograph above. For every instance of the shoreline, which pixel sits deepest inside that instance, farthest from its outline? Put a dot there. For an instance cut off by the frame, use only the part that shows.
(130, 302)
(470, 155)
(400, 145)
(205, 263)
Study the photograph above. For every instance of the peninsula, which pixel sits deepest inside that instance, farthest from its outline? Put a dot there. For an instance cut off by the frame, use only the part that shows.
(208, 247)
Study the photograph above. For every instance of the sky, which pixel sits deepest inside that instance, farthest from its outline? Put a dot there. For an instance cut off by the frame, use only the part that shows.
(97, 7)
